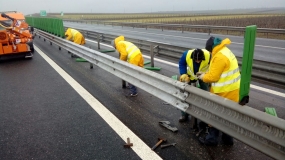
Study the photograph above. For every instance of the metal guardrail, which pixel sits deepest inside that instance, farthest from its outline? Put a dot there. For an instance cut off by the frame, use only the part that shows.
(182, 27)
(257, 129)
(266, 71)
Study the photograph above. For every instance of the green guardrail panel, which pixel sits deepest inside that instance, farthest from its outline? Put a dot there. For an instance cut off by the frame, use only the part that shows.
(50, 25)
(105, 51)
(247, 60)
(81, 60)
(271, 111)
(152, 68)
(147, 62)
(175, 77)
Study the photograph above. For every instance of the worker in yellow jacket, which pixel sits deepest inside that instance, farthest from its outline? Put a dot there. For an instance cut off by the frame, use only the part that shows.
(130, 53)
(75, 36)
(224, 76)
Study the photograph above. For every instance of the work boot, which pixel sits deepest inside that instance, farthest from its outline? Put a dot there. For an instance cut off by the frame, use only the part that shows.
(183, 118)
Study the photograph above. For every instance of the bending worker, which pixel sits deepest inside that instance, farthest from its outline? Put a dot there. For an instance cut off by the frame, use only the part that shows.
(75, 36)
(130, 53)
(224, 77)
(196, 61)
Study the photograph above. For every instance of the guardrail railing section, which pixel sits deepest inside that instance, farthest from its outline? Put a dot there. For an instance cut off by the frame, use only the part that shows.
(259, 130)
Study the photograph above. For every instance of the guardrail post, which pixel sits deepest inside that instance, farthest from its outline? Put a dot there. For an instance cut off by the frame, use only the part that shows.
(151, 55)
(98, 40)
(209, 31)
(182, 28)
(91, 64)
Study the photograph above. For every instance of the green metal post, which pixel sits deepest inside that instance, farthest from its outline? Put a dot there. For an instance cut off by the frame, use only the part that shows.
(247, 60)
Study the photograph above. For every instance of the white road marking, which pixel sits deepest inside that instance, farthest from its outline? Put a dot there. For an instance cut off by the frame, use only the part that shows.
(176, 65)
(267, 90)
(139, 147)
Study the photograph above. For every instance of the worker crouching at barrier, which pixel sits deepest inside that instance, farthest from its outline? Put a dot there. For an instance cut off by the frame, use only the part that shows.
(75, 36)
(130, 53)
(191, 62)
(224, 77)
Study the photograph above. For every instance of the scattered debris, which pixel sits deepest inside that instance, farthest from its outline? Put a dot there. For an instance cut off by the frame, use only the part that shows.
(166, 125)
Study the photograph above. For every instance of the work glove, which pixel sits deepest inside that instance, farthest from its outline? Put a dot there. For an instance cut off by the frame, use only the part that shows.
(184, 78)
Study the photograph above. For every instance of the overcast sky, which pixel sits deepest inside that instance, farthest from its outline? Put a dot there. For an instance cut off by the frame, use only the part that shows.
(131, 6)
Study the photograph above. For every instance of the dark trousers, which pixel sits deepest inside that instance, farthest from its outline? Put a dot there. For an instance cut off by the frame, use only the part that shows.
(133, 88)
(204, 86)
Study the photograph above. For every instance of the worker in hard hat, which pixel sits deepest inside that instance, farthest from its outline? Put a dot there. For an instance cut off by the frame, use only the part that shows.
(191, 62)
(130, 53)
(75, 36)
(224, 76)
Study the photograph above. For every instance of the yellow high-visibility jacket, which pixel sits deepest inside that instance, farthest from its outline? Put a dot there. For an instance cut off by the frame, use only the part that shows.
(129, 52)
(223, 73)
(75, 36)
(203, 66)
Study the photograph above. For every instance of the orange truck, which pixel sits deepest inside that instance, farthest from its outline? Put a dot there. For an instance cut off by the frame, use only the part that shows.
(15, 37)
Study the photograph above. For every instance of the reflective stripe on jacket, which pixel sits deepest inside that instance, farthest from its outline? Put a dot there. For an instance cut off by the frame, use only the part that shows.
(203, 66)
(230, 79)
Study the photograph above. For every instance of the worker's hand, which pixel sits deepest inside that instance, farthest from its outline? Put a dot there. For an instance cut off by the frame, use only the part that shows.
(184, 78)
(201, 76)
(199, 73)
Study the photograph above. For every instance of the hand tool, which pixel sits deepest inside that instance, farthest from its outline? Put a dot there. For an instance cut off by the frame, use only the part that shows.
(198, 134)
(160, 140)
(128, 145)
(167, 145)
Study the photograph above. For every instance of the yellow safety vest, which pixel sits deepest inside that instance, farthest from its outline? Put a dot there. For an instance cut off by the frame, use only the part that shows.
(132, 50)
(203, 66)
(73, 33)
(229, 80)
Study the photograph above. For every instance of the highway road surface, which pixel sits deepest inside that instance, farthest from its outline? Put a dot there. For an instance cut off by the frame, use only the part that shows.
(53, 107)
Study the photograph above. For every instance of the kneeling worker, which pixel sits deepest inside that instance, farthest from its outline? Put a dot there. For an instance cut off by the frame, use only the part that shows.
(75, 36)
(191, 62)
(130, 53)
